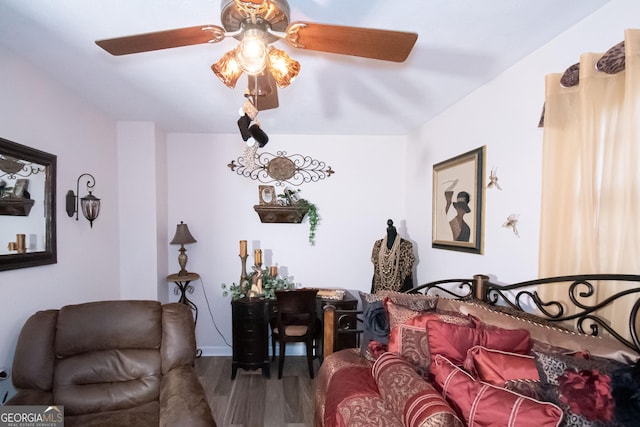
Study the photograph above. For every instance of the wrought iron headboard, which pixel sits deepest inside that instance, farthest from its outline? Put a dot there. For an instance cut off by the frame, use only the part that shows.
(525, 296)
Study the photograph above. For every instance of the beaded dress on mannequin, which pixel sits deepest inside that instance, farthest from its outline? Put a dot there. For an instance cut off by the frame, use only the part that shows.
(393, 260)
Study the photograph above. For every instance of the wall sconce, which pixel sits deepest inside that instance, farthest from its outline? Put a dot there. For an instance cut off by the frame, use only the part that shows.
(89, 204)
(182, 237)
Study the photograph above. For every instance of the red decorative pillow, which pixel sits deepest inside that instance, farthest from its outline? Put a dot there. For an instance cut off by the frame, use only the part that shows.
(543, 333)
(497, 367)
(483, 404)
(409, 339)
(413, 400)
(453, 341)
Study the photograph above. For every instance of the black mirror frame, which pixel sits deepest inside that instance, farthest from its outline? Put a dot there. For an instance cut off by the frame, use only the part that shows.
(49, 161)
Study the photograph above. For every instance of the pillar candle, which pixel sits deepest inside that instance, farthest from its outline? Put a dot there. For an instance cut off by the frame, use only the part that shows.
(258, 256)
(243, 248)
(273, 271)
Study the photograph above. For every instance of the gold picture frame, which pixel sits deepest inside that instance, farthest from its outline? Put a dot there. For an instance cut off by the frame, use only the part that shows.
(267, 195)
(458, 203)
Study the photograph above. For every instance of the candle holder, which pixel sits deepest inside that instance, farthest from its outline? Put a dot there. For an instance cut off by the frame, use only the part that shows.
(243, 263)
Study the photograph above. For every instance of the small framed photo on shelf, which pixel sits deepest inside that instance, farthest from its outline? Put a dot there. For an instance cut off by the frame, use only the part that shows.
(458, 203)
(267, 194)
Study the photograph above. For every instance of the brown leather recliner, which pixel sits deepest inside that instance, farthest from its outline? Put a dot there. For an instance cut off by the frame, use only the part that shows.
(112, 363)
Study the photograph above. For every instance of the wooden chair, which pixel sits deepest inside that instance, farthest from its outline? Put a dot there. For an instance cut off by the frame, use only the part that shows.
(295, 321)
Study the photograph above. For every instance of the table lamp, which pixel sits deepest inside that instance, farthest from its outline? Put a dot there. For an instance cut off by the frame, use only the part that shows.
(182, 237)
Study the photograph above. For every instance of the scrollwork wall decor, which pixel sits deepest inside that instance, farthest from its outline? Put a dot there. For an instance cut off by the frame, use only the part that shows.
(279, 168)
(13, 168)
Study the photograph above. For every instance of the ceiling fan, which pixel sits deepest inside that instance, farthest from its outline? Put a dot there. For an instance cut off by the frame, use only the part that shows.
(257, 24)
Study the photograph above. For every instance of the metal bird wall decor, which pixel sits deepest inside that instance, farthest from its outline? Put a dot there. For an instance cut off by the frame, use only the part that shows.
(512, 222)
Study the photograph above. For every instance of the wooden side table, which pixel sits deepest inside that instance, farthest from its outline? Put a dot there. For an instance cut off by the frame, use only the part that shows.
(182, 286)
(250, 324)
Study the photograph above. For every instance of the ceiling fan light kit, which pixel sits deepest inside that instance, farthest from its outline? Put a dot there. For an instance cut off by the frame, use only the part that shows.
(228, 69)
(283, 68)
(252, 52)
(257, 24)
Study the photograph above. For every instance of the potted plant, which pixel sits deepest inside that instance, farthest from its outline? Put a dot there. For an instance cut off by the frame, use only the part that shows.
(269, 285)
(291, 198)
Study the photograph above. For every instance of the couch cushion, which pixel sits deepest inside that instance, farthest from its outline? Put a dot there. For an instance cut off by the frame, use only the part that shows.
(108, 325)
(141, 416)
(108, 355)
(107, 380)
(34, 369)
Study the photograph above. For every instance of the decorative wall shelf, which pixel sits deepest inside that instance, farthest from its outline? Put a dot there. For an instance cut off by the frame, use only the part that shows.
(280, 214)
(16, 207)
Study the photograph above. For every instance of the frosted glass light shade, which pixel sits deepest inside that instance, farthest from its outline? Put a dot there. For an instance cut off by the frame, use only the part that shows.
(252, 52)
(283, 68)
(90, 207)
(228, 69)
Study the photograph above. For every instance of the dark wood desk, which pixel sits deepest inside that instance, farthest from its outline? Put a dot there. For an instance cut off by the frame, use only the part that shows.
(349, 302)
(250, 325)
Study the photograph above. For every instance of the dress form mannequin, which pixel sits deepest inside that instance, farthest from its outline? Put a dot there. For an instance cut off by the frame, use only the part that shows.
(393, 261)
(391, 234)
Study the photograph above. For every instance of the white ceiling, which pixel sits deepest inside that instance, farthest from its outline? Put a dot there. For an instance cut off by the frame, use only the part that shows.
(461, 45)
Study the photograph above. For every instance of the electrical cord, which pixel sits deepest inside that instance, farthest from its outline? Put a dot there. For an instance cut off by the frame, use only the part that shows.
(213, 320)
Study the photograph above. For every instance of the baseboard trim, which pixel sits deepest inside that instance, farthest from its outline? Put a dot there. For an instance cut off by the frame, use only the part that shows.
(293, 349)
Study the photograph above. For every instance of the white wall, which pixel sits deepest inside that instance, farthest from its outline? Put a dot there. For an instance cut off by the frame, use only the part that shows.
(39, 113)
(217, 204)
(142, 201)
(503, 115)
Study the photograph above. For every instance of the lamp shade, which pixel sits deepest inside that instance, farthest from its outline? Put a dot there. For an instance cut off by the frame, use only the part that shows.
(283, 68)
(183, 236)
(227, 69)
(252, 52)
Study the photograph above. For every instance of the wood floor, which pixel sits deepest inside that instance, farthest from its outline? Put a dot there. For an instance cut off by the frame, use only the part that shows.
(251, 400)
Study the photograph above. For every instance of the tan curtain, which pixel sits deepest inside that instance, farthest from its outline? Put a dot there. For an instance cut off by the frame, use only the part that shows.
(590, 218)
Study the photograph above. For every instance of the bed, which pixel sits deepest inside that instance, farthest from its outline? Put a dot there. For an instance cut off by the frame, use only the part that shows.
(460, 352)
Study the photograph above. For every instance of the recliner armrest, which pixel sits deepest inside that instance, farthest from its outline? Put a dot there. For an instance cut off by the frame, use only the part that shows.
(183, 401)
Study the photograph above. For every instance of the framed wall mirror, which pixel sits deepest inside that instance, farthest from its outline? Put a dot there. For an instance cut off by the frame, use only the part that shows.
(27, 206)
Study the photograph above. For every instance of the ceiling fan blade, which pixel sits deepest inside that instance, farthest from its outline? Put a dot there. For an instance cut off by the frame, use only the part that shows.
(365, 42)
(263, 91)
(163, 39)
